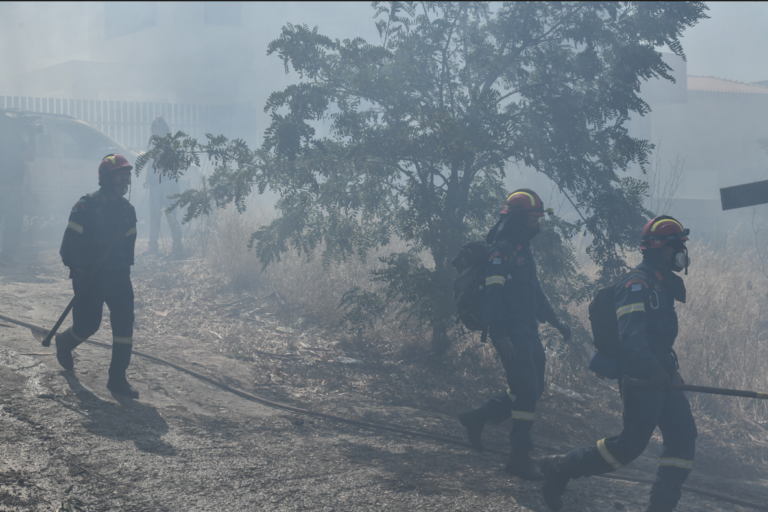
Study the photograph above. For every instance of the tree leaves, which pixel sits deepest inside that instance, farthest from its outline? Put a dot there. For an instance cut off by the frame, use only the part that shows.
(420, 126)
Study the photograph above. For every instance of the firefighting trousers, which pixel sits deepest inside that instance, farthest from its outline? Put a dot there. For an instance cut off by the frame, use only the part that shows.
(525, 378)
(12, 216)
(114, 288)
(644, 410)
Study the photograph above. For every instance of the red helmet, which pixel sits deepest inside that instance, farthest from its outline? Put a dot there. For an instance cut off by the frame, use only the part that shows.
(661, 230)
(113, 163)
(525, 200)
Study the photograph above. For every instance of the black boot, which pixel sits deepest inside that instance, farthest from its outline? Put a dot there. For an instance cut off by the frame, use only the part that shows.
(555, 479)
(660, 507)
(474, 421)
(522, 466)
(65, 343)
(120, 386)
(117, 383)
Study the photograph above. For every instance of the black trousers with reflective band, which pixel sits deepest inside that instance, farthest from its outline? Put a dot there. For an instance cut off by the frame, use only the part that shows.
(110, 287)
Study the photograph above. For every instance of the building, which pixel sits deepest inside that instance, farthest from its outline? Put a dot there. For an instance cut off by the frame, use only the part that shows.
(715, 134)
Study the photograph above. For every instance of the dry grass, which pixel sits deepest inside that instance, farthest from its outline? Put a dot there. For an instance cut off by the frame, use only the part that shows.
(723, 339)
(309, 291)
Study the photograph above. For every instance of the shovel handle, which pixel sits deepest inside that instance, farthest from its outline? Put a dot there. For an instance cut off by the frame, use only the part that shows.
(629, 381)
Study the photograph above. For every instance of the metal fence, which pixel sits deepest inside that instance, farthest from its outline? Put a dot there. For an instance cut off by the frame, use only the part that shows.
(128, 122)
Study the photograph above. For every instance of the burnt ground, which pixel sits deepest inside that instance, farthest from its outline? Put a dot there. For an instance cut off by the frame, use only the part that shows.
(188, 445)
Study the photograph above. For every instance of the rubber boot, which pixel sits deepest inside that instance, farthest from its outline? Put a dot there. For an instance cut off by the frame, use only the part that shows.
(117, 383)
(65, 343)
(522, 466)
(152, 250)
(474, 421)
(660, 507)
(554, 468)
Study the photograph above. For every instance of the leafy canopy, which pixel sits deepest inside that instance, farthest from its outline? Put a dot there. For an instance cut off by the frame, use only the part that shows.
(422, 124)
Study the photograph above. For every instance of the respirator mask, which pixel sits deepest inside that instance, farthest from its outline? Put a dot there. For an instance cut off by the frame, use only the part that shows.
(121, 182)
(682, 261)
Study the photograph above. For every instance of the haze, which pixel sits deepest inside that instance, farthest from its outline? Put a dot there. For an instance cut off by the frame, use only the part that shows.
(214, 54)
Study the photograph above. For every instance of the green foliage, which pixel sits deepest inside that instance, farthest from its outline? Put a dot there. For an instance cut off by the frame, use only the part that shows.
(422, 125)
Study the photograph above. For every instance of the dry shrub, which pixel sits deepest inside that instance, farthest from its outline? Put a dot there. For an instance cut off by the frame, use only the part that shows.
(723, 340)
(308, 291)
(223, 240)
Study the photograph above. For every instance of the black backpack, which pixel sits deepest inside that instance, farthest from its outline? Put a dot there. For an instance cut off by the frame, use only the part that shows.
(602, 317)
(469, 287)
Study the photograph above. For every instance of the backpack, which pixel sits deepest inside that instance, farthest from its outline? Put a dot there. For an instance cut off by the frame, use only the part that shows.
(605, 325)
(469, 286)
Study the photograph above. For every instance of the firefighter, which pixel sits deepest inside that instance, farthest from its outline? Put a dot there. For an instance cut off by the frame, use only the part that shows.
(645, 309)
(512, 305)
(95, 221)
(159, 190)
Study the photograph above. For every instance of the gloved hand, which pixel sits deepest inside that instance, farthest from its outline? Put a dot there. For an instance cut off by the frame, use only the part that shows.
(506, 350)
(660, 380)
(80, 278)
(563, 328)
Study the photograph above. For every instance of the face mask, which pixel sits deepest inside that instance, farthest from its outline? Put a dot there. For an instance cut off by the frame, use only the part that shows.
(120, 185)
(682, 261)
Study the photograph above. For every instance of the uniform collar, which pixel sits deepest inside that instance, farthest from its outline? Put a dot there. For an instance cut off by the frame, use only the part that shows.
(670, 281)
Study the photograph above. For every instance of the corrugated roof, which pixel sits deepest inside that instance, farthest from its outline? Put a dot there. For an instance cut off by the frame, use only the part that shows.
(714, 84)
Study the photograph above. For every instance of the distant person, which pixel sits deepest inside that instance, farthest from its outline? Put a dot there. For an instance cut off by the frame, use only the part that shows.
(160, 188)
(645, 309)
(512, 307)
(95, 221)
(13, 153)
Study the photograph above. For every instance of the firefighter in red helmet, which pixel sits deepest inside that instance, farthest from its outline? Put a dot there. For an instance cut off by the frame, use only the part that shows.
(513, 305)
(645, 309)
(95, 220)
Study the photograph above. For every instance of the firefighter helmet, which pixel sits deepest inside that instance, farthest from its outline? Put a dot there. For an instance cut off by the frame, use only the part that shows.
(661, 230)
(524, 200)
(112, 164)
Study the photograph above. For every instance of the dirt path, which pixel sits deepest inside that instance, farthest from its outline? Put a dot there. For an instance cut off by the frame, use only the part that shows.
(187, 445)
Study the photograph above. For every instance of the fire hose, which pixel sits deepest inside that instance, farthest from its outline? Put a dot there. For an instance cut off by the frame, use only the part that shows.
(40, 333)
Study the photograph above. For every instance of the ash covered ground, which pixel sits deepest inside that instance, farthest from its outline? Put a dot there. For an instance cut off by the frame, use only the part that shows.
(188, 445)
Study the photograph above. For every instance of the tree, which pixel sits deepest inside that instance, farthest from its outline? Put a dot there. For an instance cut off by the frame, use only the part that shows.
(422, 125)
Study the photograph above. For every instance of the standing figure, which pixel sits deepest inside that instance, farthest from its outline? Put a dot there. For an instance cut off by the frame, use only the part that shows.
(97, 222)
(159, 190)
(512, 307)
(13, 153)
(645, 309)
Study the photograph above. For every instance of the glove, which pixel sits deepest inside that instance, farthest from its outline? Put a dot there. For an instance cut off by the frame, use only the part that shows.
(563, 328)
(660, 380)
(506, 350)
(80, 278)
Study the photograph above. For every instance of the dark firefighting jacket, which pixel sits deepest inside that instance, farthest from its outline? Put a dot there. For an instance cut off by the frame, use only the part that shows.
(645, 310)
(94, 222)
(514, 302)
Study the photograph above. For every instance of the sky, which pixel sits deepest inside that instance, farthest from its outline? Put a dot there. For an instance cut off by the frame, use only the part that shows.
(728, 45)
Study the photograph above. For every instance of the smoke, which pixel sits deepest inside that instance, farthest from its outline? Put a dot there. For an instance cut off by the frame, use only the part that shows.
(214, 54)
